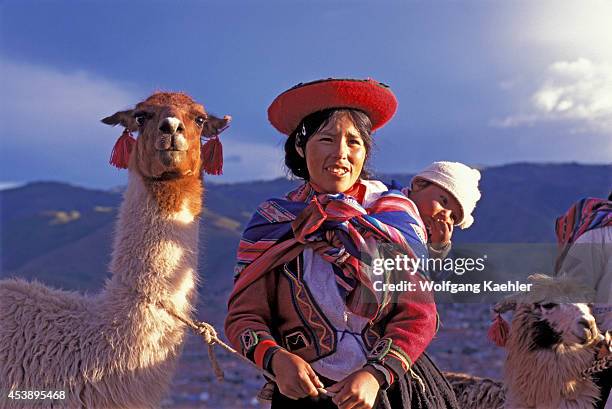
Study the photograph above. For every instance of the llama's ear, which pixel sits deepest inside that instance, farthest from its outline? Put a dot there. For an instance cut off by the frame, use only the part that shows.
(125, 118)
(214, 126)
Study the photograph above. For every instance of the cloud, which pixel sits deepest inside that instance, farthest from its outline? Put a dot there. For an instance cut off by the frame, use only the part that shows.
(9, 185)
(577, 91)
(51, 106)
(566, 27)
(248, 160)
(51, 126)
(52, 130)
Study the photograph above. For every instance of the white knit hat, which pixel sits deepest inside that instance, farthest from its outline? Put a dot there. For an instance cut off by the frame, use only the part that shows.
(459, 180)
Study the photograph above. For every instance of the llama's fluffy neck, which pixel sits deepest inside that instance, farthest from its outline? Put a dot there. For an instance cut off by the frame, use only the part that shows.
(557, 371)
(155, 250)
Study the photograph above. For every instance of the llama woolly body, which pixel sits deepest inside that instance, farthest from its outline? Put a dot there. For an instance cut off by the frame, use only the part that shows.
(116, 349)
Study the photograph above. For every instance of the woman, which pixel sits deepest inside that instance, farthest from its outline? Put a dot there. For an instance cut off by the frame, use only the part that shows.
(304, 305)
(584, 235)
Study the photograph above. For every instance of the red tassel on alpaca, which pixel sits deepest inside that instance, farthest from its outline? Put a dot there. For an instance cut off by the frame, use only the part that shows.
(212, 156)
(120, 156)
(499, 330)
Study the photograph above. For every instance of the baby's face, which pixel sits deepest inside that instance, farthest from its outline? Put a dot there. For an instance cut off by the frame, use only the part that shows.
(435, 203)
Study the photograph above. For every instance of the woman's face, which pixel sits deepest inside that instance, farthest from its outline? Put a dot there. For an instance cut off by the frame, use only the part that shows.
(335, 155)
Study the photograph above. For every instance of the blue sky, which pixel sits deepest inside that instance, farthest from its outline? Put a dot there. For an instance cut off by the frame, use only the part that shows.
(480, 82)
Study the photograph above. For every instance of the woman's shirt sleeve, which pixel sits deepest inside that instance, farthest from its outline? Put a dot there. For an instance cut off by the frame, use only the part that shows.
(412, 324)
(248, 322)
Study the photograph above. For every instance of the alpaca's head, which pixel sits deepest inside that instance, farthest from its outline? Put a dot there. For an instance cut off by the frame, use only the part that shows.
(170, 127)
(554, 312)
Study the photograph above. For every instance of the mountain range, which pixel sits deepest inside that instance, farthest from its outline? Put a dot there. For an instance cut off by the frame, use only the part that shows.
(61, 234)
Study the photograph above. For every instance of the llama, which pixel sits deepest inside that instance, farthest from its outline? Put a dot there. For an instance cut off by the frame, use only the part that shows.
(119, 348)
(552, 340)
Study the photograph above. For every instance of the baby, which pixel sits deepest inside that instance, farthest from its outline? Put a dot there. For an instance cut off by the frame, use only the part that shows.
(445, 194)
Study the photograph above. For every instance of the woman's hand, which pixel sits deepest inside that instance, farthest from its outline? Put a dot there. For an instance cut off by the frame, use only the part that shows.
(294, 377)
(356, 391)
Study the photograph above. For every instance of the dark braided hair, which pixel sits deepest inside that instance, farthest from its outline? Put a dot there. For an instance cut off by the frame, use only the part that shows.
(314, 122)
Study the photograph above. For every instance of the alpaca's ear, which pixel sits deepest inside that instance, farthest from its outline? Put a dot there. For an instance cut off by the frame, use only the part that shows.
(125, 118)
(213, 125)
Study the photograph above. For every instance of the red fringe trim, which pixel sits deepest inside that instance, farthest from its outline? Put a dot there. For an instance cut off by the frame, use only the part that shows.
(499, 330)
(212, 156)
(120, 156)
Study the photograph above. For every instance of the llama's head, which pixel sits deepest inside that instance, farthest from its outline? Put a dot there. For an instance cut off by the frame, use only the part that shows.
(170, 127)
(564, 323)
(554, 312)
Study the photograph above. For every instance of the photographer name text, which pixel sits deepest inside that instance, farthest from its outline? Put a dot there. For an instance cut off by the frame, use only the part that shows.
(453, 288)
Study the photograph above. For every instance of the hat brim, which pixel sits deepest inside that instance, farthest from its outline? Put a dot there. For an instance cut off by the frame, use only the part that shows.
(370, 96)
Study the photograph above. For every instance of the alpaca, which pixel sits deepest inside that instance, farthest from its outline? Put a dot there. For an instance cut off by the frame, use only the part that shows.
(552, 341)
(119, 348)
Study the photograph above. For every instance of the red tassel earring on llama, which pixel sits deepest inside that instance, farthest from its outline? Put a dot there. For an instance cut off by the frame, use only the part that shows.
(499, 330)
(120, 156)
(212, 154)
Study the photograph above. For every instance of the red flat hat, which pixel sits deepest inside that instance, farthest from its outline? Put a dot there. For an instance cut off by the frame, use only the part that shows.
(370, 96)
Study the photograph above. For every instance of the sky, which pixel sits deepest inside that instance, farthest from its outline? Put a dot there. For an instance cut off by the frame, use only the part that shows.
(481, 82)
